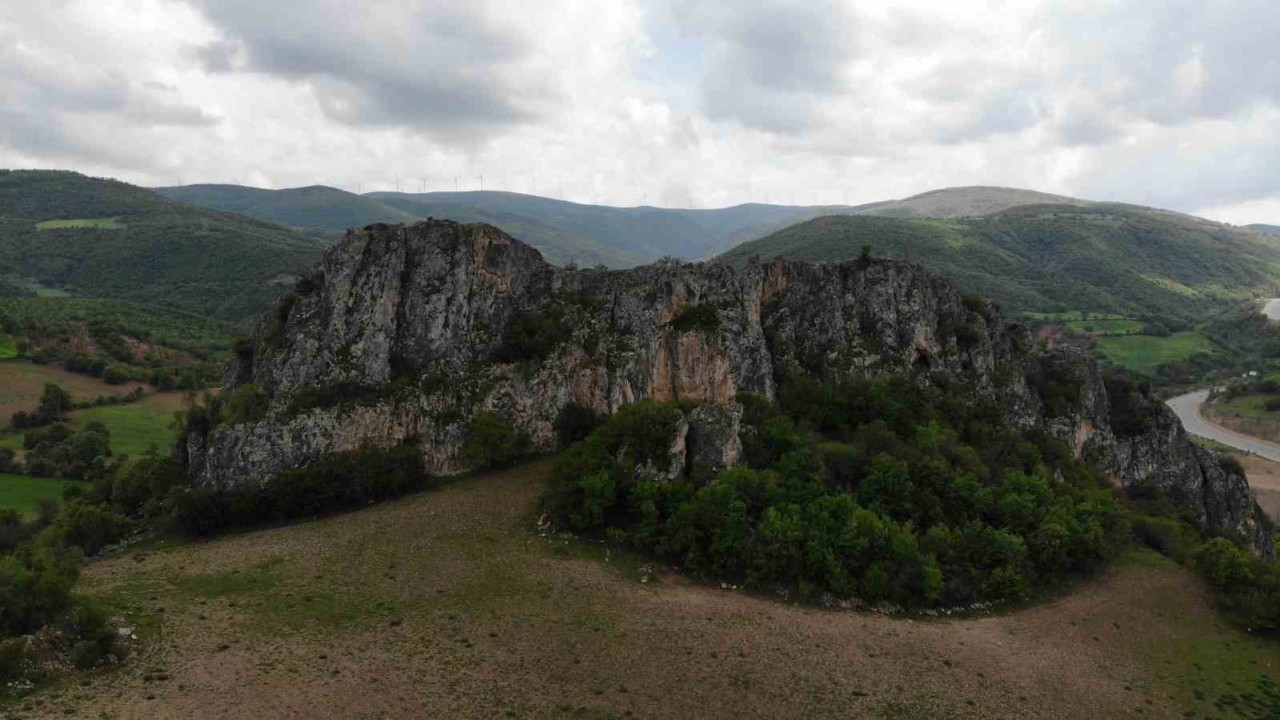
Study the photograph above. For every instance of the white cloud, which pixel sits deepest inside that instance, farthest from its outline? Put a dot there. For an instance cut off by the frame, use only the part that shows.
(1168, 102)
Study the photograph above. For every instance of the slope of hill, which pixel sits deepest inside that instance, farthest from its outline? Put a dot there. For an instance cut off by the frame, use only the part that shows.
(322, 212)
(413, 608)
(958, 202)
(1272, 230)
(1104, 257)
(563, 231)
(645, 233)
(102, 238)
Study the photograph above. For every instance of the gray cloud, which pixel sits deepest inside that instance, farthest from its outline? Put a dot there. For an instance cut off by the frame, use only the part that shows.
(1167, 102)
(768, 63)
(445, 67)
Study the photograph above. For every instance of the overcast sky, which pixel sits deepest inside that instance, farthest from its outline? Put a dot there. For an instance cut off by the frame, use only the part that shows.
(1174, 103)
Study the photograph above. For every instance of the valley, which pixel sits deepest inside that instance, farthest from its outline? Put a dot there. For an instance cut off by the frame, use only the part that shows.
(901, 426)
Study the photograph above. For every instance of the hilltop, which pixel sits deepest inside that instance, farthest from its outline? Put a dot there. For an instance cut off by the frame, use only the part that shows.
(97, 238)
(960, 202)
(1100, 257)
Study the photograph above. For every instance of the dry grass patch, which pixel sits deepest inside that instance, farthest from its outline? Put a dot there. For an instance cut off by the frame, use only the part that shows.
(446, 605)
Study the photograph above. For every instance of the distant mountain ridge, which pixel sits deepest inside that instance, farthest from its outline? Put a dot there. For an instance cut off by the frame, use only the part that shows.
(1110, 257)
(584, 234)
(98, 238)
(563, 231)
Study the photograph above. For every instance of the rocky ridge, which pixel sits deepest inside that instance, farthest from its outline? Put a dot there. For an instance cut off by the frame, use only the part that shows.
(408, 332)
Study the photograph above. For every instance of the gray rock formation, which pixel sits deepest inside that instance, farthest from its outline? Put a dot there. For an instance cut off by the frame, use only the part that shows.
(409, 332)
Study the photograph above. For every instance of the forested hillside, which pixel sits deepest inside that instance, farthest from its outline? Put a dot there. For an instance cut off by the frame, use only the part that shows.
(101, 238)
(1108, 258)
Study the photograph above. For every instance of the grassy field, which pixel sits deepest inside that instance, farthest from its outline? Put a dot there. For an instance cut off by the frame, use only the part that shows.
(22, 381)
(449, 604)
(1092, 323)
(21, 493)
(134, 427)
(1247, 406)
(1145, 353)
(1106, 327)
(82, 223)
(8, 348)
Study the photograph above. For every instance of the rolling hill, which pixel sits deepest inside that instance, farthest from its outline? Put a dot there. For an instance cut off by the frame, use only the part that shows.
(1099, 257)
(586, 234)
(1272, 230)
(325, 213)
(960, 202)
(100, 238)
(563, 231)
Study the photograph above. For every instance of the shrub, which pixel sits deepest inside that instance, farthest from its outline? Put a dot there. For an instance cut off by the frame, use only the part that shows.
(88, 527)
(915, 493)
(697, 317)
(575, 422)
(493, 442)
(339, 482)
(532, 336)
(247, 404)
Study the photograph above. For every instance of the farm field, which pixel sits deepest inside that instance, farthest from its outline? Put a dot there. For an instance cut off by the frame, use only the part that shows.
(1145, 353)
(449, 604)
(80, 223)
(136, 427)
(8, 348)
(22, 381)
(22, 493)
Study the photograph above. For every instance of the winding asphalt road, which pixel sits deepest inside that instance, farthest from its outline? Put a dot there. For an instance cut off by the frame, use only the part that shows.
(1187, 408)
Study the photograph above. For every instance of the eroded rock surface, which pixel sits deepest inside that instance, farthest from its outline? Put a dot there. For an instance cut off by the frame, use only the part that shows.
(407, 332)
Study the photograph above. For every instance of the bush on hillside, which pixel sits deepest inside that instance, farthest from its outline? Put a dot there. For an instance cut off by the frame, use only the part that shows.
(339, 482)
(902, 490)
(493, 442)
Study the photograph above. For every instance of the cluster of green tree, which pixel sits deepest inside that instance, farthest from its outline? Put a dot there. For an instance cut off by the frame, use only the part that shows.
(13, 290)
(55, 403)
(1138, 262)
(40, 615)
(61, 451)
(1247, 587)
(159, 251)
(112, 323)
(1251, 341)
(900, 490)
(178, 350)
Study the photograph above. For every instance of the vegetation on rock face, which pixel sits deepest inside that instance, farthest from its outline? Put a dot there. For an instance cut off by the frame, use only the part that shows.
(163, 252)
(341, 482)
(493, 442)
(896, 490)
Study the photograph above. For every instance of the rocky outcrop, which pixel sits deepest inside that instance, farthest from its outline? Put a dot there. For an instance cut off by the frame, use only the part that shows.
(409, 332)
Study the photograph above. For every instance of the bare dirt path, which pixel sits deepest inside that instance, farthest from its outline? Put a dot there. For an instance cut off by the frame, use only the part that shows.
(446, 605)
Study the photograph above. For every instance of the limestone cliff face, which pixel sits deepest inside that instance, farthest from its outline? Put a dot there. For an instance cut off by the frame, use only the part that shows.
(409, 332)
